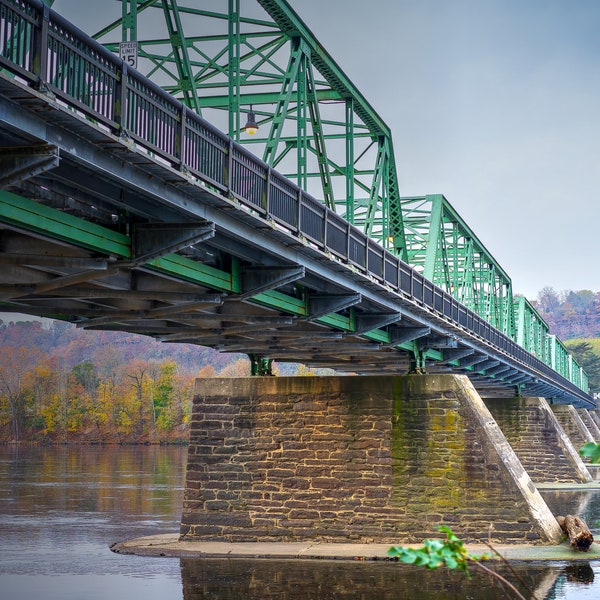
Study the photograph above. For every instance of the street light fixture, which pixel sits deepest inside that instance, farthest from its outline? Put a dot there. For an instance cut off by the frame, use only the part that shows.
(251, 126)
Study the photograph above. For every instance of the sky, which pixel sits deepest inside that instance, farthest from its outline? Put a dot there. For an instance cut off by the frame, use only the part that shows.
(493, 103)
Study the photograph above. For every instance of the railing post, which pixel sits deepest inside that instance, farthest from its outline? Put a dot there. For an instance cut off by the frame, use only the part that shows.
(267, 196)
(120, 107)
(180, 137)
(39, 61)
(229, 168)
(299, 213)
(347, 257)
(325, 230)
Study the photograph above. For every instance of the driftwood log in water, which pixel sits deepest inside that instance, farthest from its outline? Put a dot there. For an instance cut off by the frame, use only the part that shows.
(580, 536)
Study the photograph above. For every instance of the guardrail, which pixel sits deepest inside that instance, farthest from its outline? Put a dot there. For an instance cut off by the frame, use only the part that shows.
(43, 49)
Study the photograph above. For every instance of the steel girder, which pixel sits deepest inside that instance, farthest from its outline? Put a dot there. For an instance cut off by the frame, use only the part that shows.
(447, 252)
(314, 124)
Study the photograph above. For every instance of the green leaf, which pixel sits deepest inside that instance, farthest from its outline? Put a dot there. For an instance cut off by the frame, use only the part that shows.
(434, 553)
(591, 451)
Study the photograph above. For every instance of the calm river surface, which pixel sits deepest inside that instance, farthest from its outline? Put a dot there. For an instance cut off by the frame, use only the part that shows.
(62, 508)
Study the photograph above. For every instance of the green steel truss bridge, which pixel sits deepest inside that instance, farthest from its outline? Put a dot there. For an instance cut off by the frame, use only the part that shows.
(235, 190)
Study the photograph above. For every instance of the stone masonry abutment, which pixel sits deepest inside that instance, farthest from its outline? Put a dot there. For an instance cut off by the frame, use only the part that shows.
(364, 459)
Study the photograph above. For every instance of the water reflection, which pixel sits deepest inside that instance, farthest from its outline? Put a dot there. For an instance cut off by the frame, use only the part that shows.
(80, 479)
(61, 509)
(585, 505)
(580, 573)
(232, 579)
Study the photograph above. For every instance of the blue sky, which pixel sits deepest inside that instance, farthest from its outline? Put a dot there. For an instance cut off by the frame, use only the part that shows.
(493, 103)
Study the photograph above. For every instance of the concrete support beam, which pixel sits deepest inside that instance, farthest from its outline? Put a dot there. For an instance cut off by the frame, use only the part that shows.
(541, 443)
(590, 423)
(366, 459)
(572, 423)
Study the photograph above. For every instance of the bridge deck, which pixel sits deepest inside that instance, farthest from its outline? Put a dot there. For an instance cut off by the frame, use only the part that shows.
(115, 228)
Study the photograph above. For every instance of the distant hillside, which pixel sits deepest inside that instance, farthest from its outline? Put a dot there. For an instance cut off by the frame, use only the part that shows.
(575, 318)
(71, 346)
(59, 383)
(570, 314)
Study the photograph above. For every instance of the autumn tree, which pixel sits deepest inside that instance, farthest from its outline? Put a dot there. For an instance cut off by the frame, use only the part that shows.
(142, 375)
(14, 393)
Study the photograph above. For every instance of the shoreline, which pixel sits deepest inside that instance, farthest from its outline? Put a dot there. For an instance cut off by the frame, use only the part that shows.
(168, 545)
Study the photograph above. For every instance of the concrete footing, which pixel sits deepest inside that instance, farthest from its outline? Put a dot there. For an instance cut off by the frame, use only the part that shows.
(362, 459)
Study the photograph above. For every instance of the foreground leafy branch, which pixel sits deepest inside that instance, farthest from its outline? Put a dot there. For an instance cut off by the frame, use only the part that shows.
(591, 450)
(435, 553)
(451, 553)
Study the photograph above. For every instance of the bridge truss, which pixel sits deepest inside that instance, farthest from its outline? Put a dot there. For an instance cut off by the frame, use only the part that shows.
(121, 208)
(227, 58)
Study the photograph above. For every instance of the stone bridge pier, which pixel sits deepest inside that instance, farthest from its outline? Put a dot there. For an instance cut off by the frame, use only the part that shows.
(364, 459)
(544, 448)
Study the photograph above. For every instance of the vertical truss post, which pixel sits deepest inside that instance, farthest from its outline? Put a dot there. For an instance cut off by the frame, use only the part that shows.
(260, 366)
(417, 360)
(396, 219)
(281, 110)
(318, 137)
(434, 253)
(301, 118)
(377, 202)
(349, 122)
(129, 19)
(233, 34)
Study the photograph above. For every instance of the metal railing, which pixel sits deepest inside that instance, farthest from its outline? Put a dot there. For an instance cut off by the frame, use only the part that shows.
(44, 50)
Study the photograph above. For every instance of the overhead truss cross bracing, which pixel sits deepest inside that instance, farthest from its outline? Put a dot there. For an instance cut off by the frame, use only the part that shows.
(447, 252)
(226, 58)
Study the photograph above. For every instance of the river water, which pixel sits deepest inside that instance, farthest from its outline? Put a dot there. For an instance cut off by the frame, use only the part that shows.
(61, 509)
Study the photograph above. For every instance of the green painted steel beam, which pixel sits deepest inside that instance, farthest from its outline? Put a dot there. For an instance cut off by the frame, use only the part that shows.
(284, 302)
(22, 212)
(33, 216)
(181, 54)
(378, 335)
(447, 252)
(195, 272)
(293, 26)
(220, 101)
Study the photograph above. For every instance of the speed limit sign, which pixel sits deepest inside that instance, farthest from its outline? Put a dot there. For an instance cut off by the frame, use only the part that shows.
(129, 53)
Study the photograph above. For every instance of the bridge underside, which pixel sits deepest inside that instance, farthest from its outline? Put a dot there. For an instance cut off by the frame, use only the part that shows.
(96, 231)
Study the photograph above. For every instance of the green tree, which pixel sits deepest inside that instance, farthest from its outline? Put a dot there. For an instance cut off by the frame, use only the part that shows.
(452, 553)
(164, 396)
(585, 355)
